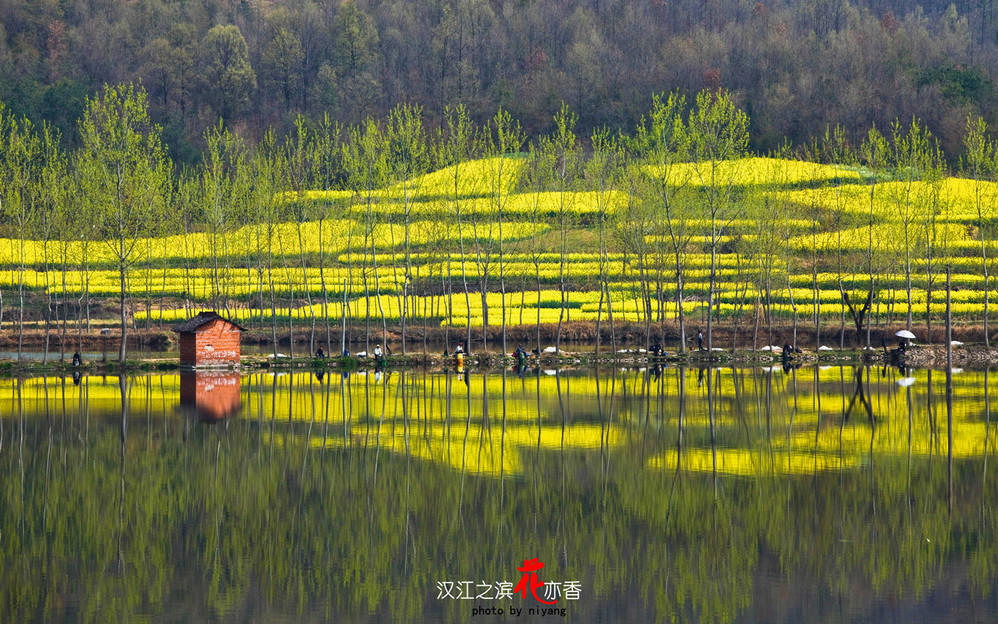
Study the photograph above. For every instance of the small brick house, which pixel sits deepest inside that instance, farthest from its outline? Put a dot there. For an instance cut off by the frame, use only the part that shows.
(209, 340)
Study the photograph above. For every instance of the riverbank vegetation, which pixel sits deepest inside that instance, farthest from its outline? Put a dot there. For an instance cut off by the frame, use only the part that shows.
(387, 230)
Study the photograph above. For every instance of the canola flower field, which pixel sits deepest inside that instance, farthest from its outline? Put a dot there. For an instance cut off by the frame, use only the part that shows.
(797, 232)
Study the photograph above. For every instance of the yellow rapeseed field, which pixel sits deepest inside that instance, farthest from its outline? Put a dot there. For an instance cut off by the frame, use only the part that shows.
(791, 225)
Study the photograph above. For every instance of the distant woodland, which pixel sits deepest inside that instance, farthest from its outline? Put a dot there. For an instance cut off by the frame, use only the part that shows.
(795, 67)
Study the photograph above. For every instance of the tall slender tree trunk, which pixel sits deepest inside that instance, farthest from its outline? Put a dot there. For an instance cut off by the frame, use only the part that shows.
(680, 311)
(148, 294)
(758, 315)
(343, 317)
(599, 316)
(793, 307)
(869, 315)
(447, 292)
(325, 293)
(227, 282)
(427, 310)
(609, 317)
(273, 303)
(292, 301)
(367, 314)
(928, 309)
(646, 299)
(406, 281)
(65, 303)
(216, 284)
(86, 271)
(817, 310)
(710, 294)
(561, 288)
(20, 311)
(48, 301)
(907, 290)
(124, 320)
(502, 284)
(85, 283)
(484, 288)
(163, 291)
(308, 290)
(464, 281)
(537, 274)
(602, 277)
(987, 293)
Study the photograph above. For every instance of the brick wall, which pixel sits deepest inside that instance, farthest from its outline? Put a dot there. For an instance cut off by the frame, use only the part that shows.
(218, 343)
(214, 344)
(188, 349)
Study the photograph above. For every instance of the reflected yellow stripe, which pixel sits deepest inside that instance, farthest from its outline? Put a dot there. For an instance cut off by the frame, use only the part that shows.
(748, 464)
(472, 449)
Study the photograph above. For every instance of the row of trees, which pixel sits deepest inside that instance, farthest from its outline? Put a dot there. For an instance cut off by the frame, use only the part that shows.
(796, 66)
(112, 190)
(657, 197)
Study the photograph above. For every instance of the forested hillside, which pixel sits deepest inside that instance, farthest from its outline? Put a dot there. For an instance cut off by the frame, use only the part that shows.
(795, 66)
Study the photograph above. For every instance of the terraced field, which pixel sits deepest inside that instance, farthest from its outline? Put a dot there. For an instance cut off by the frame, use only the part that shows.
(796, 236)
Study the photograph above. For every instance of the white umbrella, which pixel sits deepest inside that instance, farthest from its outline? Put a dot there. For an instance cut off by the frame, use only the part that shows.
(905, 382)
(904, 333)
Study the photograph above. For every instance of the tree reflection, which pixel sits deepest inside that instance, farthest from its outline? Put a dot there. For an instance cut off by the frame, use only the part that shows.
(353, 496)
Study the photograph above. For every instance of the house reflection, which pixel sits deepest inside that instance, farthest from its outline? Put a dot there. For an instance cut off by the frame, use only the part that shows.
(209, 395)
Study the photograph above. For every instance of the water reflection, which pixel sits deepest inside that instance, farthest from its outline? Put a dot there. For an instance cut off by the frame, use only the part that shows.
(210, 396)
(715, 494)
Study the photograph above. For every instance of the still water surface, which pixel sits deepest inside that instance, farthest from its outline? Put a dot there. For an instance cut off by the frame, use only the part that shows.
(736, 495)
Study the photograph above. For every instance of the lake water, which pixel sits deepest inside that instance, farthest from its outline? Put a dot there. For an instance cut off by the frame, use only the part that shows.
(736, 495)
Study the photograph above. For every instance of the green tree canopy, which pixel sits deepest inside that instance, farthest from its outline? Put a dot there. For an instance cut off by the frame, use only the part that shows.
(124, 175)
(226, 73)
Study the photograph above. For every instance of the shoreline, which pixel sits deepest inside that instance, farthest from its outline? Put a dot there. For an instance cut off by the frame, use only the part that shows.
(921, 356)
(425, 348)
(575, 335)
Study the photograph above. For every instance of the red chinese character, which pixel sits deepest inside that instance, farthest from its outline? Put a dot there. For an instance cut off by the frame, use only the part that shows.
(530, 580)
